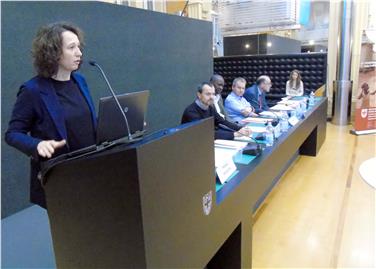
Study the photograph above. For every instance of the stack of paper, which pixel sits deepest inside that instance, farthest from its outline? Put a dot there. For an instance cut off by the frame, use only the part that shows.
(289, 102)
(286, 98)
(257, 129)
(272, 114)
(281, 107)
(244, 139)
(230, 144)
(255, 120)
(223, 155)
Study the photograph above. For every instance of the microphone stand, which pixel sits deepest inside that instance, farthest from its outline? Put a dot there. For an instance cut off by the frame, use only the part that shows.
(93, 63)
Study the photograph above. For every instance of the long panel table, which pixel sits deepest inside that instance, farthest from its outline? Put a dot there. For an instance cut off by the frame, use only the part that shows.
(155, 203)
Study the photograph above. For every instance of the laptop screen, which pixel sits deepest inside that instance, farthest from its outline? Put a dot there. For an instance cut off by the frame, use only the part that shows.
(111, 123)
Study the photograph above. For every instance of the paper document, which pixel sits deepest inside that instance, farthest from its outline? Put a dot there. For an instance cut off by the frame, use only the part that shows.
(255, 120)
(229, 144)
(244, 139)
(271, 114)
(281, 107)
(257, 129)
(286, 98)
(292, 103)
(223, 155)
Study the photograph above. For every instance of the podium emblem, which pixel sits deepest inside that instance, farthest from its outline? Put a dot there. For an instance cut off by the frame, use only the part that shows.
(207, 202)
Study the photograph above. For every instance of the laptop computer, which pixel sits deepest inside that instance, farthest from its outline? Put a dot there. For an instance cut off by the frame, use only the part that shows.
(112, 128)
(111, 123)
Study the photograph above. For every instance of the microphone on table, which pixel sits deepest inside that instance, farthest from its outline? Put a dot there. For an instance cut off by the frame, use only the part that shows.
(274, 123)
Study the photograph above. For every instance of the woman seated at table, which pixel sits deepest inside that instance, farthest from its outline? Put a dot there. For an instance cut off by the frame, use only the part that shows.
(294, 86)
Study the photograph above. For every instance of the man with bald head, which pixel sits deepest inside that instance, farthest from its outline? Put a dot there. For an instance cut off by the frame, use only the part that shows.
(255, 95)
(218, 83)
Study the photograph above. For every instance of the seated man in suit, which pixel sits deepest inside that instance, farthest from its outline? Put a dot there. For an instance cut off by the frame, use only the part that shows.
(237, 106)
(255, 95)
(218, 83)
(202, 108)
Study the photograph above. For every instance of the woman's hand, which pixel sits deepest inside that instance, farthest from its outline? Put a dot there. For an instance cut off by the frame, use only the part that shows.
(46, 148)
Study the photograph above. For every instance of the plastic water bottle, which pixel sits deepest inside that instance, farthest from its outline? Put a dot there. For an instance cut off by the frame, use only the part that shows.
(302, 109)
(269, 135)
(298, 112)
(284, 122)
(277, 130)
(293, 113)
(311, 101)
(303, 106)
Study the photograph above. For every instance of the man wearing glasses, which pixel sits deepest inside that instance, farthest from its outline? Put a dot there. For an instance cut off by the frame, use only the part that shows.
(255, 95)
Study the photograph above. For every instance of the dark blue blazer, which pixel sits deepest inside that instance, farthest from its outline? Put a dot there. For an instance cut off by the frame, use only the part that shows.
(37, 115)
(251, 94)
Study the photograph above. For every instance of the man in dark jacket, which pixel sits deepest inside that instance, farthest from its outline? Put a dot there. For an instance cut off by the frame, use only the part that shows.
(255, 95)
(202, 108)
(218, 83)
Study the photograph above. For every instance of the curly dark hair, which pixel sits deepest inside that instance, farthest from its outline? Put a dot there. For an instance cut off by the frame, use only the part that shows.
(47, 46)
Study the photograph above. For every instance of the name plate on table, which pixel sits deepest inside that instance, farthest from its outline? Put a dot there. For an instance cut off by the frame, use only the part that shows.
(293, 120)
(225, 169)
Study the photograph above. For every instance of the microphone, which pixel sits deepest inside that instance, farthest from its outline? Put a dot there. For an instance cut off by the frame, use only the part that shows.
(274, 123)
(93, 63)
(275, 114)
(275, 120)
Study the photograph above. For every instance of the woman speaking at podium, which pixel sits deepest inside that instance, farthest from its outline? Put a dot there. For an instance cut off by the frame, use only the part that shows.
(54, 112)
